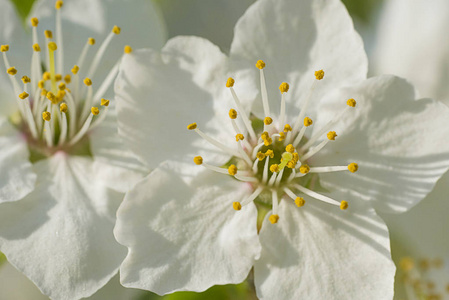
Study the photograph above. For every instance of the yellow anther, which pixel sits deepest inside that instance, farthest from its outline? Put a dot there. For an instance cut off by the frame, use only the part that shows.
(264, 135)
(12, 71)
(353, 167)
(274, 168)
(116, 30)
(36, 47)
(4, 48)
(75, 69)
(230, 82)
(273, 219)
(260, 155)
(331, 135)
(52, 46)
(51, 97)
(63, 107)
(284, 87)
(23, 95)
(268, 141)
(236, 205)
(46, 76)
(26, 79)
(94, 110)
(41, 84)
(232, 170)
(307, 121)
(304, 169)
(128, 49)
(34, 22)
(104, 102)
(295, 157)
(281, 136)
(62, 86)
(344, 205)
(287, 128)
(46, 116)
(269, 153)
(44, 92)
(198, 160)
(299, 201)
(351, 102)
(87, 81)
(239, 137)
(60, 95)
(260, 64)
(233, 114)
(191, 126)
(267, 120)
(319, 74)
(48, 34)
(58, 77)
(67, 78)
(91, 41)
(424, 264)
(290, 148)
(59, 4)
(291, 164)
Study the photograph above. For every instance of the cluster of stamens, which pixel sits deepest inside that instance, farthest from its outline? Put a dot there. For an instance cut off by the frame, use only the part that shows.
(275, 160)
(56, 110)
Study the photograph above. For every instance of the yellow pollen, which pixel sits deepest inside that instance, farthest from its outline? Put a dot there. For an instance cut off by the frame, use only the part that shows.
(52, 46)
(264, 135)
(4, 48)
(299, 201)
(268, 141)
(281, 136)
(91, 41)
(51, 97)
(273, 219)
(287, 128)
(58, 77)
(307, 121)
(128, 49)
(36, 47)
(41, 84)
(269, 153)
(75, 69)
(291, 164)
(116, 30)
(46, 116)
(95, 111)
(353, 167)
(236, 205)
(290, 148)
(319, 74)
(239, 137)
(26, 79)
(304, 169)
(274, 168)
(233, 114)
(44, 92)
(331, 135)
(48, 34)
(260, 155)
(67, 78)
(104, 102)
(344, 205)
(60, 95)
(191, 126)
(62, 86)
(198, 160)
(232, 170)
(63, 107)
(351, 102)
(260, 64)
(267, 120)
(284, 87)
(23, 95)
(46, 76)
(12, 71)
(295, 156)
(87, 81)
(34, 22)
(230, 82)
(59, 4)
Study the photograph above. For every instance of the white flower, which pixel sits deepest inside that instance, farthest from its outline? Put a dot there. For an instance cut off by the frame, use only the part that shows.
(60, 155)
(180, 223)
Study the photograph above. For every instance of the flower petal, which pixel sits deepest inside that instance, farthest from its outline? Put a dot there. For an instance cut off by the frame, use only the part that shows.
(296, 38)
(320, 252)
(60, 235)
(176, 230)
(17, 178)
(399, 144)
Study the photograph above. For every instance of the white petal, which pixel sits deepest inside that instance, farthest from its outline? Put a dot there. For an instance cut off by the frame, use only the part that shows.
(186, 236)
(17, 178)
(398, 142)
(320, 252)
(60, 235)
(159, 94)
(296, 38)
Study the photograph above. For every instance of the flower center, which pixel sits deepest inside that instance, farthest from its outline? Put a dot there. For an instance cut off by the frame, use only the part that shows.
(273, 156)
(56, 111)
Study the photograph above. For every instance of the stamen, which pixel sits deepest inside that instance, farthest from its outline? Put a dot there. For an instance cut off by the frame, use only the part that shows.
(28, 114)
(47, 130)
(284, 87)
(85, 128)
(275, 202)
(330, 137)
(101, 50)
(72, 108)
(328, 169)
(63, 109)
(88, 102)
(265, 171)
(236, 205)
(107, 81)
(266, 108)
(316, 195)
(253, 196)
(307, 122)
(60, 54)
(213, 141)
(299, 201)
(128, 49)
(344, 205)
(100, 119)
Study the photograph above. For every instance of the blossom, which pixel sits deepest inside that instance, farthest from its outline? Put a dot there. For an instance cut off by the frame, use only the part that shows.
(64, 170)
(322, 148)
